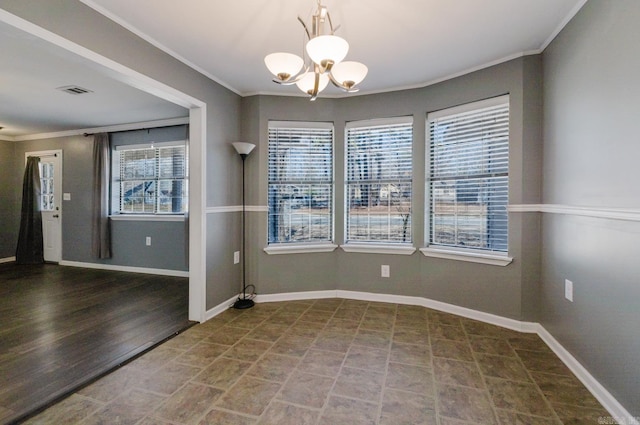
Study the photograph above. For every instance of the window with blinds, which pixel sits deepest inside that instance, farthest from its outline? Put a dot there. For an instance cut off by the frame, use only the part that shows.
(150, 179)
(378, 180)
(469, 176)
(300, 182)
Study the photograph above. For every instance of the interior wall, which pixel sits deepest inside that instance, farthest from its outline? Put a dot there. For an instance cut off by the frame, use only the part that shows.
(591, 151)
(9, 207)
(167, 250)
(80, 24)
(492, 289)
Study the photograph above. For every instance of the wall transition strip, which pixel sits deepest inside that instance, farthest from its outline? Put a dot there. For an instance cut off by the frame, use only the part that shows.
(625, 214)
(237, 208)
(130, 269)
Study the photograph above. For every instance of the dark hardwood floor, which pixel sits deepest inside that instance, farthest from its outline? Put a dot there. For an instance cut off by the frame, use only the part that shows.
(61, 327)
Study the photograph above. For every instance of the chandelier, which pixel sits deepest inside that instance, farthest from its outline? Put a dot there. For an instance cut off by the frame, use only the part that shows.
(321, 60)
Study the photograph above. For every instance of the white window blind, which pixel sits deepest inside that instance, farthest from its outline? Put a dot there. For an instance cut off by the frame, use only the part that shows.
(300, 182)
(378, 181)
(150, 179)
(469, 176)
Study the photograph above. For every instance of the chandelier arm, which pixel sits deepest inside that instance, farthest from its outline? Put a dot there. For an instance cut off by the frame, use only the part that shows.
(306, 30)
(352, 89)
(294, 79)
(316, 85)
(333, 30)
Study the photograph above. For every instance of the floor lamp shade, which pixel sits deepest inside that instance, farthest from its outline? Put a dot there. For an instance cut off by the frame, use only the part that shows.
(244, 149)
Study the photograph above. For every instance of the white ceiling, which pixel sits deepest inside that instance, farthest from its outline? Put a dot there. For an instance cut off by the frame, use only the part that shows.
(407, 43)
(32, 70)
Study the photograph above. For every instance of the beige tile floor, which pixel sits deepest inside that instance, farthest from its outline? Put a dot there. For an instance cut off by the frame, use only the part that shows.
(334, 362)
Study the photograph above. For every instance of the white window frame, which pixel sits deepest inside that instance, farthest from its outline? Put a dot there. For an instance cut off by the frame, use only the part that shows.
(300, 247)
(116, 214)
(373, 246)
(476, 255)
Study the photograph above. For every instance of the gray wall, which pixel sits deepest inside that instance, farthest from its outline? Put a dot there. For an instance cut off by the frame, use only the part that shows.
(591, 151)
(9, 209)
(79, 23)
(492, 289)
(167, 250)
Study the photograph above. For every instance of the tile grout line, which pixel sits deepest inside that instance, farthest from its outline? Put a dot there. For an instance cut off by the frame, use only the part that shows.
(529, 374)
(335, 380)
(293, 372)
(283, 384)
(386, 368)
(225, 390)
(434, 385)
(494, 409)
(190, 381)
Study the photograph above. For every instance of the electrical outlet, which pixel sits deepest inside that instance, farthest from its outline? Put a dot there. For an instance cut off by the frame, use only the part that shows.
(147, 241)
(568, 290)
(385, 271)
(236, 257)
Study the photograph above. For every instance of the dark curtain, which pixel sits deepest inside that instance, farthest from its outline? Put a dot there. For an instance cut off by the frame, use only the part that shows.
(30, 244)
(101, 227)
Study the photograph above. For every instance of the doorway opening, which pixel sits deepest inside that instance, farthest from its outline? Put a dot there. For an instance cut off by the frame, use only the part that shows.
(197, 141)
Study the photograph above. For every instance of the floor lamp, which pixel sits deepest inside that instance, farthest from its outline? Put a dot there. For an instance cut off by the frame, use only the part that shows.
(244, 149)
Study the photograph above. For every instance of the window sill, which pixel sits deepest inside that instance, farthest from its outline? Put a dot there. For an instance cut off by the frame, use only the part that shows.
(473, 257)
(146, 217)
(375, 248)
(299, 248)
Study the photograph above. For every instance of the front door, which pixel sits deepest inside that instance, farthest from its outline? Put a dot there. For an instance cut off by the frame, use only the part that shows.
(51, 203)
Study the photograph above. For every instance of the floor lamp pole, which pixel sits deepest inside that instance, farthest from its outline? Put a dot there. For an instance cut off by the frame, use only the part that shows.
(244, 302)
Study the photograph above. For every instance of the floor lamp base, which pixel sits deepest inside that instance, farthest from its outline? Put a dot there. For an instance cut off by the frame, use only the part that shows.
(243, 303)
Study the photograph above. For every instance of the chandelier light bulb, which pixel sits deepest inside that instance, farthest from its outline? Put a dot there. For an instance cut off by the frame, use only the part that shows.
(327, 49)
(348, 74)
(283, 65)
(307, 82)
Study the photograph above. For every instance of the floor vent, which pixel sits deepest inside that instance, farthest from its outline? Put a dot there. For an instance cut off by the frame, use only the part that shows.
(74, 90)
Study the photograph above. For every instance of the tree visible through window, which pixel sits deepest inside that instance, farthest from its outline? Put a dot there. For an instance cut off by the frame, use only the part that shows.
(300, 182)
(378, 182)
(469, 176)
(150, 179)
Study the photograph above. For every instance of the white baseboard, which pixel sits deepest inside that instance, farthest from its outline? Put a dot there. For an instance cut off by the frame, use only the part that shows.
(295, 296)
(445, 307)
(162, 272)
(7, 260)
(607, 400)
(225, 305)
(599, 392)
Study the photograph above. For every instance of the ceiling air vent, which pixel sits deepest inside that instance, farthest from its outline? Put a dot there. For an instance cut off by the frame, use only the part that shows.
(74, 90)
